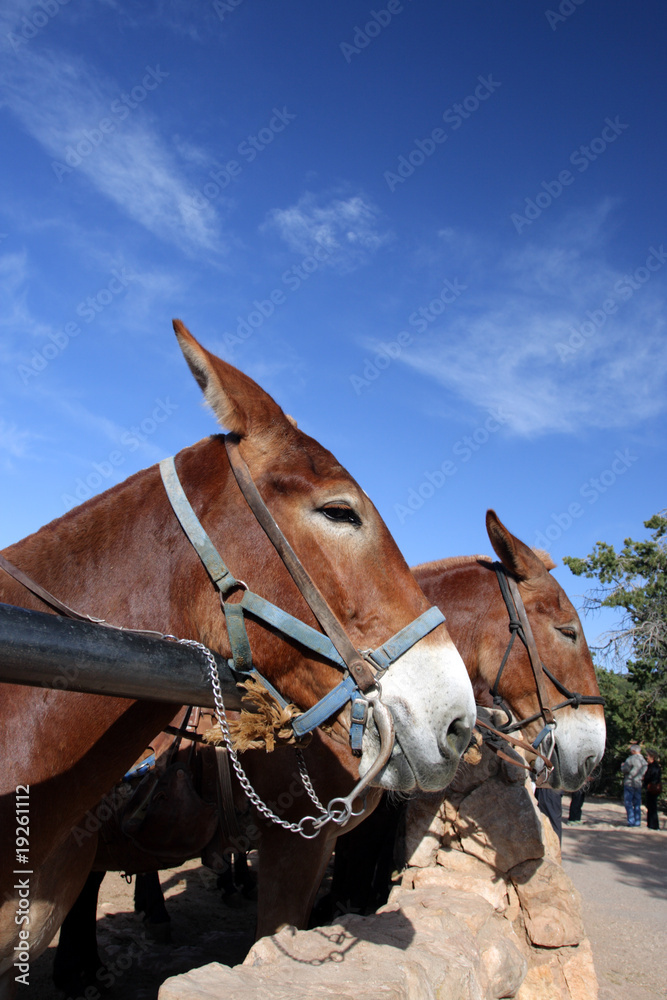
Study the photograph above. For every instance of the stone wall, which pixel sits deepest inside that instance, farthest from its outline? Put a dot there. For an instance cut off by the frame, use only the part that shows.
(483, 911)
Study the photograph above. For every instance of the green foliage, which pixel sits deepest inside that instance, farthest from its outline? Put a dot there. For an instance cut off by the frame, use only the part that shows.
(635, 580)
(632, 715)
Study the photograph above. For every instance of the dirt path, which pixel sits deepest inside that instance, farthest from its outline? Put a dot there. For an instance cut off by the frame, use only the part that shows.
(621, 873)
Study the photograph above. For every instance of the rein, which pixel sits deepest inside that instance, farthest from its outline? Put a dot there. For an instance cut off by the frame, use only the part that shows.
(519, 625)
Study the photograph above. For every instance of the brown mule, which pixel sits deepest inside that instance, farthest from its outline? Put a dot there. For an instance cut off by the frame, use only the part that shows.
(122, 556)
(467, 591)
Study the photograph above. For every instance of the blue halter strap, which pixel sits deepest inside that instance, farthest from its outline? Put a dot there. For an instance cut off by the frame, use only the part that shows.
(287, 625)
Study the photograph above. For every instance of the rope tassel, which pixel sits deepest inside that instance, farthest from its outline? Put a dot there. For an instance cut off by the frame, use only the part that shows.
(264, 726)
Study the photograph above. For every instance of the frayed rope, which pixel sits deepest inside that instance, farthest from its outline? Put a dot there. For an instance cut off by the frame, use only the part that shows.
(265, 726)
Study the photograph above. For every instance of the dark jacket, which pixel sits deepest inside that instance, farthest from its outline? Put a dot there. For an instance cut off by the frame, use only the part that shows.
(652, 775)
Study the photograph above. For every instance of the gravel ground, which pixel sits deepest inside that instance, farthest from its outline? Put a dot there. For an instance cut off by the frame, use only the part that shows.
(621, 873)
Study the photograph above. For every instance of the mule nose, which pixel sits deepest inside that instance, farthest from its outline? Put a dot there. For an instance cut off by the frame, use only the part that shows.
(457, 737)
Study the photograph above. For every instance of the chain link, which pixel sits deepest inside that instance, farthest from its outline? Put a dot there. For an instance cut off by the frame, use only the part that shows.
(315, 822)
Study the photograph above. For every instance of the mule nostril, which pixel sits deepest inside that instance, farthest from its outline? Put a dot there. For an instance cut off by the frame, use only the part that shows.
(457, 736)
(590, 763)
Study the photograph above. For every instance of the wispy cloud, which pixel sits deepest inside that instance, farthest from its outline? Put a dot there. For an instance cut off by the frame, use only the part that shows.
(515, 338)
(61, 102)
(350, 228)
(15, 444)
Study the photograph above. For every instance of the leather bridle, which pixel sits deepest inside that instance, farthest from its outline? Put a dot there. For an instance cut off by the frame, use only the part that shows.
(362, 668)
(519, 625)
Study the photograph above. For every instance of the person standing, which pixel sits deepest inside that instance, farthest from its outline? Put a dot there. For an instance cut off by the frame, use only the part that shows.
(653, 784)
(633, 768)
(576, 804)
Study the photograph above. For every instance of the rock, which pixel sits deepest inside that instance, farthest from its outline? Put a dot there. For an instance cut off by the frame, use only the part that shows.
(503, 967)
(465, 864)
(426, 944)
(567, 975)
(579, 972)
(469, 776)
(513, 910)
(542, 982)
(500, 824)
(484, 884)
(551, 841)
(551, 905)
(429, 823)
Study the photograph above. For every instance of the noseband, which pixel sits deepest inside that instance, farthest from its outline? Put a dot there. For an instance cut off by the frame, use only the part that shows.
(519, 625)
(362, 668)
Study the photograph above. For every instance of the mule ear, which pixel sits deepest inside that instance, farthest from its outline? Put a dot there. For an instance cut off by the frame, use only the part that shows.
(238, 402)
(514, 554)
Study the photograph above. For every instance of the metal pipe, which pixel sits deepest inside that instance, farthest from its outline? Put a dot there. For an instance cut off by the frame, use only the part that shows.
(51, 651)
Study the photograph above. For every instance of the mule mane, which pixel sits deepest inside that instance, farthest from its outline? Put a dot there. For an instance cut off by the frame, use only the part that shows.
(451, 562)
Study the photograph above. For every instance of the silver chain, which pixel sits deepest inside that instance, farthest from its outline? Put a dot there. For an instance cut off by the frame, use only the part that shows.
(302, 827)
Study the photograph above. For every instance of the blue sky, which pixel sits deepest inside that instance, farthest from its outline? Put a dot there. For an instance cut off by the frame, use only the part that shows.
(435, 232)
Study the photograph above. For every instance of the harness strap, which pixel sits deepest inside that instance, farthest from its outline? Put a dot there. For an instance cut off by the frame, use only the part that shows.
(385, 655)
(44, 595)
(63, 609)
(354, 662)
(519, 625)
(225, 794)
(495, 736)
(334, 646)
(192, 527)
(326, 707)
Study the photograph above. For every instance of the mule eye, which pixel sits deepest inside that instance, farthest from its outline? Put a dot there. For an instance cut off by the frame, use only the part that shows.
(341, 512)
(569, 633)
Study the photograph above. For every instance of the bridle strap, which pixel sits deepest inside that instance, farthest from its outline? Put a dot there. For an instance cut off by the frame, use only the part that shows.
(44, 595)
(496, 736)
(519, 625)
(360, 683)
(528, 639)
(63, 609)
(352, 659)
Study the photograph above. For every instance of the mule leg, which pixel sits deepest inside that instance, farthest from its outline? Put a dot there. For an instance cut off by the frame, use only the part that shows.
(8, 985)
(289, 877)
(244, 877)
(149, 900)
(77, 961)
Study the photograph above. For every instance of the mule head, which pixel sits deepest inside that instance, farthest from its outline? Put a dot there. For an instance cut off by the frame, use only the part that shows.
(349, 553)
(562, 647)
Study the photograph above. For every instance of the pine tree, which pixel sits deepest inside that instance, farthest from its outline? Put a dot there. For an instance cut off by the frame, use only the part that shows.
(634, 579)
